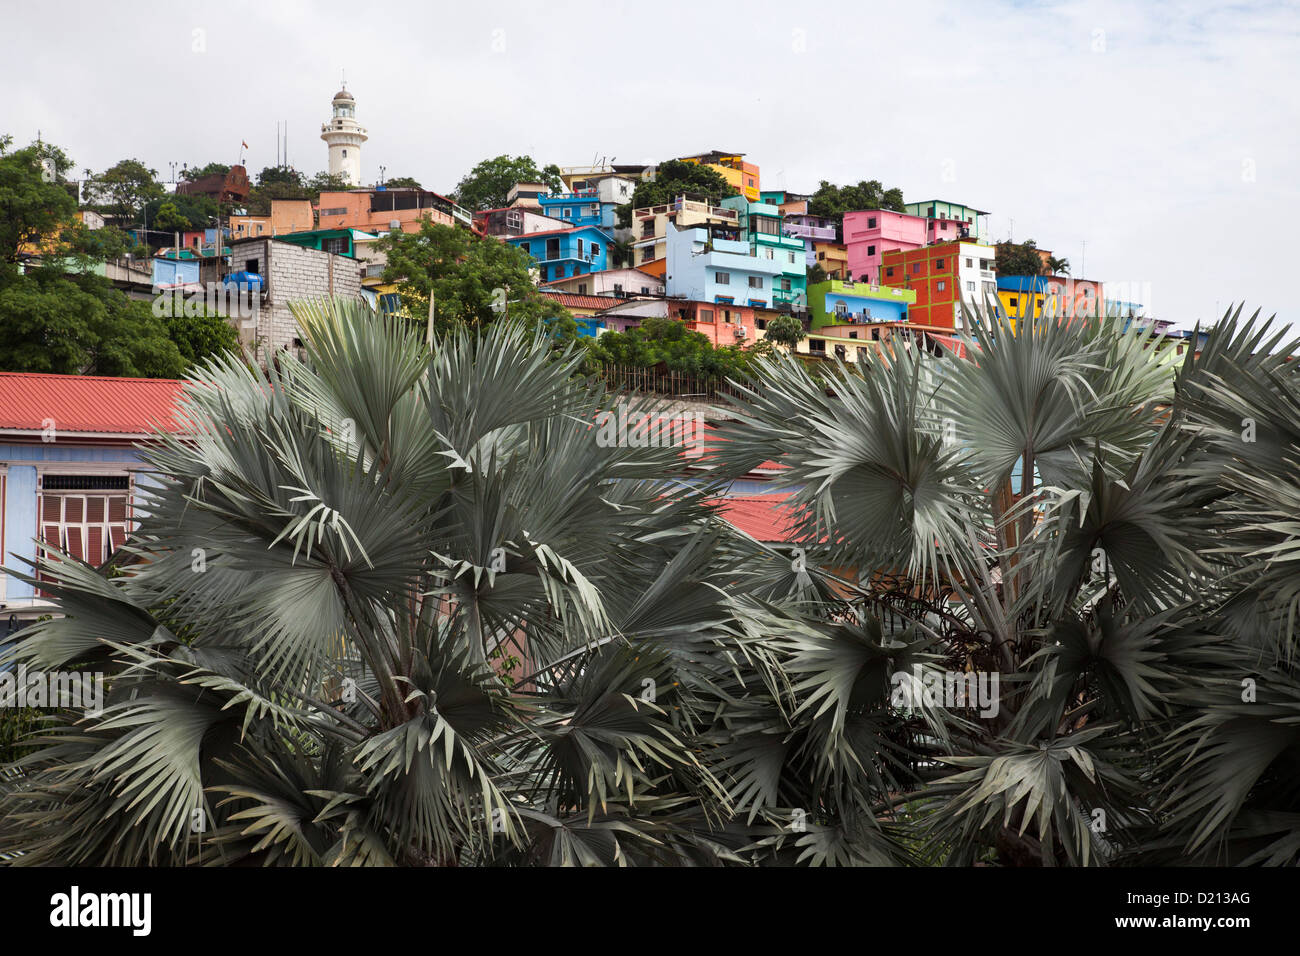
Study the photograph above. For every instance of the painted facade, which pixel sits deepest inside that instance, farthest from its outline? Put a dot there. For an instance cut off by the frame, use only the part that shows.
(384, 210)
(514, 221)
(762, 226)
(580, 208)
(650, 228)
(949, 220)
(705, 267)
(943, 276)
(562, 253)
(611, 282)
(836, 302)
(739, 174)
(69, 470)
(870, 233)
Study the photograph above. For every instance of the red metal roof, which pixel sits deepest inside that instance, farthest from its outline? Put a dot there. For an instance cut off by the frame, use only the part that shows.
(575, 301)
(763, 517)
(86, 403)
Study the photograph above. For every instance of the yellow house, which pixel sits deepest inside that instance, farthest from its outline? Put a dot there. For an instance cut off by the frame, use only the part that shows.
(741, 175)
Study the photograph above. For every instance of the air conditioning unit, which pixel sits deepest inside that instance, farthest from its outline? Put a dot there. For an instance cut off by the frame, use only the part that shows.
(741, 331)
(395, 224)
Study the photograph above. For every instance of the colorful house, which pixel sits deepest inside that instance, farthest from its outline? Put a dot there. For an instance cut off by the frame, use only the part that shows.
(69, 469)
(561, 253)
(1021, 296)
(838, 302)
(870, 233)
(514, 221)
(651, 225)
(384, 210)
(706, 267)
(579, 208)
(949, 220)
(943, 276)
(810, 230)
(611, 282)
(761, 225)
(740, 175)
(585, 309)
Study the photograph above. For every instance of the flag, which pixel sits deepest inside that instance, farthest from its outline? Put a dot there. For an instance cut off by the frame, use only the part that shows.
(245, 145)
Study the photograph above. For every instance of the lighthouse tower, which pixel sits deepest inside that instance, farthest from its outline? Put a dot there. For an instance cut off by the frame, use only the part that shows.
(344, 137)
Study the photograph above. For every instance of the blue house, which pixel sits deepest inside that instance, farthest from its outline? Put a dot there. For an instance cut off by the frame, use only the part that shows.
(581, 207)
(69, 470)
(711, 264)
(175, 269)
(561, 253)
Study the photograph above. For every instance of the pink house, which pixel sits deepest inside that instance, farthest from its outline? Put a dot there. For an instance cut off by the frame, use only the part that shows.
(870, 233)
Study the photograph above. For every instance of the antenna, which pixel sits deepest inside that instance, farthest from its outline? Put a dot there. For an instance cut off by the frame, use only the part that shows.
(343, 78)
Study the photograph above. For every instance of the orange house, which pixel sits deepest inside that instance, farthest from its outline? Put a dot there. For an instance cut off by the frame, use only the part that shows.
(383, 210)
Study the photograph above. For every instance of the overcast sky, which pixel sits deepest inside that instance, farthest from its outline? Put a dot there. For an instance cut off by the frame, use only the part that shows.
(1154, 143)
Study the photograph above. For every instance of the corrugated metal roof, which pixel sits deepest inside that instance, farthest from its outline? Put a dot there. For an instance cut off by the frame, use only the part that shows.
(85, 403)
(574, 300)
(762, 517)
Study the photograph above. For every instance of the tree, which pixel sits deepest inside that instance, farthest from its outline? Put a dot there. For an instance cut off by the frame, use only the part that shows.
(187, 212)
(672, 179)
(785, 330)
(122, 190)
(201, 337)
(487, 185)
(455, 611)
(193, 173)
(668, 342)
(474, 280)
(402, 182)
(832, 202)
(816, 274)
(1058, 267)
(621, 252)
(32, 209)
(324, 182)
(1021, 259)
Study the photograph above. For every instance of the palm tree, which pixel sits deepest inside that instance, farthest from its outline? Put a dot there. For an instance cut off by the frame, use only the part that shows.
(1058, 267)
(394, 608)
(391, 609)
(621, 252)
(1112, 539)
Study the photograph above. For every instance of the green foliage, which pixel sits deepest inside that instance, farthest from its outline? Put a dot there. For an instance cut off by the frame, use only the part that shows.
(71, 323)
(672, 179)
(1019, 259)
(1059, 267)
(402, 182)
(283, 182)
(474, 281)
(201, 337)
(785, 330)
(487, 185)
(123, 190)
(192, 173)
(832, 202)
(31, 209)
(182, 213)
(663, 341)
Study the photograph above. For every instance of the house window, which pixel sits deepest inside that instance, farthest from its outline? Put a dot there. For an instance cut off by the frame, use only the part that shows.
(791, 255)
(85, 515)
(337, 246)
(871, 250)
(970, 286)
(817, 345)
(582, 288)
(726, 316)
(985, 264)
(785, 285)
(916, 268)
(618, 288)
(595, 251)
(579, 248)
(938, 265)
(1013, 301)
(871, 222)
(706, 315)
(647, 253)
(890, 272)
(969, 263)
(722, 278)
(645, 290)
(941, 285)
(756, 282)
(345, 154)
(552, 249)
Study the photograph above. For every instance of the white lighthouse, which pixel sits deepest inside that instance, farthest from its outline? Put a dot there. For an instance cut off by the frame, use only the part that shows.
(344, 136)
